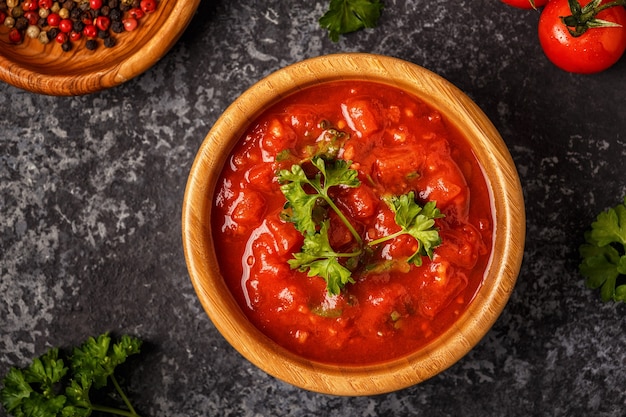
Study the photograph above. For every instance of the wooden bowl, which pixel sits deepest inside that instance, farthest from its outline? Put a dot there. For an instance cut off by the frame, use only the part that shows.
(473, 324)
(47, 69)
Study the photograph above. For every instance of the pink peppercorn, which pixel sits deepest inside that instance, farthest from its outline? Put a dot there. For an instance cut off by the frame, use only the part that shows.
(30, 5)
(61, 38)
(148, 6)
(75, 36)
(32, 17)
(102, 22)
(130, 24)
(66, 25)
(15, 36)
(53, 19)
(136, 13)
(95, 4)
(90, 31)
(45, 4)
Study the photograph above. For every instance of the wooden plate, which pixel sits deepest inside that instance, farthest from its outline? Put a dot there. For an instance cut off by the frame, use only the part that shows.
(46, 69)
(473, 324)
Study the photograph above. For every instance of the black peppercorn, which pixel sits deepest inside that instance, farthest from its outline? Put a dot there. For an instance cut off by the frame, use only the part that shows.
(21, 23)
(69, 4)
(84, 6)
(75, 13)
(66, 46)
(113, 4)
(117, 27)
(91, 44)
(104, 10)
(109, 42)
(79, 26)
(52, 33)
(115, 15)
(103, 34)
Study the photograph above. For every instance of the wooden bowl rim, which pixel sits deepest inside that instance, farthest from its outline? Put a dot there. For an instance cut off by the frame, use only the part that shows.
(104, 71)
(474, 323)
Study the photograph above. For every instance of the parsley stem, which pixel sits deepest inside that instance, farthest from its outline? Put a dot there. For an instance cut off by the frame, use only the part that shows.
(343, 218)
(123, 395)
(386, 238)
(111, 410)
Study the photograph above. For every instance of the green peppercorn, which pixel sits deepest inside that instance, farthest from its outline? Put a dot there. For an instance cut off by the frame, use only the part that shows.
(17, 12)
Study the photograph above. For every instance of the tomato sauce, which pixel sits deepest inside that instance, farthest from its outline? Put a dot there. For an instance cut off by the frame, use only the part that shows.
(398, 144)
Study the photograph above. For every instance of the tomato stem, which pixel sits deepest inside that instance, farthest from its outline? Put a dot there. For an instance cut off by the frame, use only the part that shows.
(584, 17)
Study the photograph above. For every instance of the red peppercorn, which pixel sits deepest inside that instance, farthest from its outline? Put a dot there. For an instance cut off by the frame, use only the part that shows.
(32, 17)
(61, 38)
(148, 6)
(136, 13)
(3, 16)
(66, 25)
(45, 4)
(90, 31)
(15, 36)
(95, 4)
(30, 5)
(53, 19)
(103, 22)
(75, 36)
(130, 24)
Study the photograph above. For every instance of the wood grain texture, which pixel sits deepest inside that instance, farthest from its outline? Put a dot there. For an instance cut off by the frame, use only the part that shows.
(502, 271)
(46, 69)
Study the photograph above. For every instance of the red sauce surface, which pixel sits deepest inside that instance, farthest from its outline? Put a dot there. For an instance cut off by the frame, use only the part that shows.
(398, 144)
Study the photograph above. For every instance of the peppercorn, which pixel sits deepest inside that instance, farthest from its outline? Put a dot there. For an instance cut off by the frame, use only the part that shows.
(17, 12)
(91, 44)
(115, 14)
(78, 26)
(75, 13)
(109, 42)
(117, 27)
(103, 34)
(52, 33)
(21, 23)
(66, 46)
(9, 21)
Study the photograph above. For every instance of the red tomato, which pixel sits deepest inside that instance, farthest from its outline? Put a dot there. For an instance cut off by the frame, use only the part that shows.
(525, 4)
(595, 50)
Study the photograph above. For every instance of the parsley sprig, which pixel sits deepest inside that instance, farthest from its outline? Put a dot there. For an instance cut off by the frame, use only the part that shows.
(308, 200)
(604, 254)
(50, 388)
(345, 16)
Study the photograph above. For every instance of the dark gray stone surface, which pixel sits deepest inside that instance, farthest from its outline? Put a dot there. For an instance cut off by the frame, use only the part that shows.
(90, 204)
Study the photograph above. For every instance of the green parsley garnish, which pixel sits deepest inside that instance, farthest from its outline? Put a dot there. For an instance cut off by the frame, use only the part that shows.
(308, 200)
(345, 16)
(604, 254)
(49, 388)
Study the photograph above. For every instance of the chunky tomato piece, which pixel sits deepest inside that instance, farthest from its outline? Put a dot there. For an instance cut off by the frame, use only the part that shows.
(363, 116)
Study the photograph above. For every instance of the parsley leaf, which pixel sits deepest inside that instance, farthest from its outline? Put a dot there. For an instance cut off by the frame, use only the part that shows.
(604, 254)
(415, 221)
(345, 16)
(321, 260)
(306, 193)
(49, 388)
(302, 204)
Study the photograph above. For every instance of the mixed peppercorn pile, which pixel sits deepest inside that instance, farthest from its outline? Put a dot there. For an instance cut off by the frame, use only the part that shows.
(70, 21)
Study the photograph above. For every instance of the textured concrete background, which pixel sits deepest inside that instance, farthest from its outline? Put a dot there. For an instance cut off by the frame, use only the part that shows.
(90, 204)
